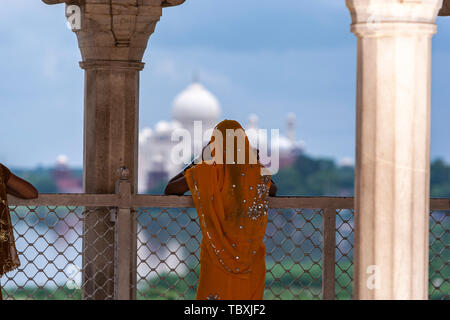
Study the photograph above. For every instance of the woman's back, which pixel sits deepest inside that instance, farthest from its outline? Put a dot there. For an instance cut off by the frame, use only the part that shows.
(231, 199)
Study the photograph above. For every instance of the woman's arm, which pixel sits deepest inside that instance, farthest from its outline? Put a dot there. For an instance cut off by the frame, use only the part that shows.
(20, 188)
(177, 186)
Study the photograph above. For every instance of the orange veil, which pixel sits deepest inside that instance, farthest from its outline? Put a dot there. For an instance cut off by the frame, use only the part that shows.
(231, 197)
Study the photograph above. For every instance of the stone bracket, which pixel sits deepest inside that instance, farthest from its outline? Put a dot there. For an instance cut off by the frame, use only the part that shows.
(116, 30)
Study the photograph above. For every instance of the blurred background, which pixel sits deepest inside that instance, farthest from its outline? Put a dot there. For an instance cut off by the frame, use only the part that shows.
(289, 66)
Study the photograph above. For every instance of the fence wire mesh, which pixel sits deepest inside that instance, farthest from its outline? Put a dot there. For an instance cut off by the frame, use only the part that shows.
(168, 260)
(344, 254)
(439, 267)
(50, 245)
(168, 254)
(439, 254)
(68, 253)
(294, 254)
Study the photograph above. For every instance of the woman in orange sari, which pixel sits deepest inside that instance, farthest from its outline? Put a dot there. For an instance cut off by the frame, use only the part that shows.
(230, 190)
(9, 183)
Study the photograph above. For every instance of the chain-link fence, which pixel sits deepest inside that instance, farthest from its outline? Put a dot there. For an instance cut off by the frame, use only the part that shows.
(69, 252)
(168, 254)
(439, 254)
(51, 242)
(344, 254)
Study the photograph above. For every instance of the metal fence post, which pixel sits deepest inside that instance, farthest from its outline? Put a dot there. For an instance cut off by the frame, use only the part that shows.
(329, 254)
(125, 239)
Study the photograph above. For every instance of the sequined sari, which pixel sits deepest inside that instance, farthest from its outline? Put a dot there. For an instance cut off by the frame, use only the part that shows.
(231, 202)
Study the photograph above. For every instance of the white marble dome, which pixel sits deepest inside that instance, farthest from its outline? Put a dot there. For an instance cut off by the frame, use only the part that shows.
(195, 103)
(62, 160)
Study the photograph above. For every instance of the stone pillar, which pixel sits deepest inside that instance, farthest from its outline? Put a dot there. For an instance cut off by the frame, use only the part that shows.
(111, 120)
(112, 36)
(392, 146)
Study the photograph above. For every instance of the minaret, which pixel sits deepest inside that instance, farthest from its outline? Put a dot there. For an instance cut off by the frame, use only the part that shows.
(253, 121)
(291, 126)
(195, 77)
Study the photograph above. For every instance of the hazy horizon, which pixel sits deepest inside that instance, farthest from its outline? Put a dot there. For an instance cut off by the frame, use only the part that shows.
(259, 57)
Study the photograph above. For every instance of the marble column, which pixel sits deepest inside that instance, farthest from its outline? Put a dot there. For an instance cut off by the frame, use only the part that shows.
(112, 36)
(392, 146)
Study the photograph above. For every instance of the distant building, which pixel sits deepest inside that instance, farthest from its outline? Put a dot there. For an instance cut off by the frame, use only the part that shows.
(64, 177)
(196, 103)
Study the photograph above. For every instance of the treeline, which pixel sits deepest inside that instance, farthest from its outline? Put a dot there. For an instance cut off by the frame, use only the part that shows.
(440, 179)
(40, 177)
(315, 177)
(307, 176)
(323, 177)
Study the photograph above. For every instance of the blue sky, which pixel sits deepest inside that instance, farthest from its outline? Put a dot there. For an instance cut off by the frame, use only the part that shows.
(257, 56)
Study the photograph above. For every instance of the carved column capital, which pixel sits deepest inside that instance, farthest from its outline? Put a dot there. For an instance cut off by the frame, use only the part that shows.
(114, 29)
(388, 17)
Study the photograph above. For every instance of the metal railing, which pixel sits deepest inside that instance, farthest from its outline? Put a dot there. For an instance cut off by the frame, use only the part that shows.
(126, 246)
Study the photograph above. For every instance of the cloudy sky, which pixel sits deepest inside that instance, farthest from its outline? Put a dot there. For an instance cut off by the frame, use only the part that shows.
(257, 56)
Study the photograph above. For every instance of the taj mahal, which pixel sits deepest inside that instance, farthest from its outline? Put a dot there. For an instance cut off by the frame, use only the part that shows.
(196, 103)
